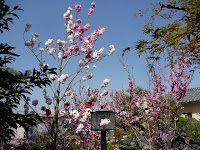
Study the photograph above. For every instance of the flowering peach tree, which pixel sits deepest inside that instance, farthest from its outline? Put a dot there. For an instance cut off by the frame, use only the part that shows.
(152, 115)
(70, 110)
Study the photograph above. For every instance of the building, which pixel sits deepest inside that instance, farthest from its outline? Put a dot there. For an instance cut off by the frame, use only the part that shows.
(191, 103)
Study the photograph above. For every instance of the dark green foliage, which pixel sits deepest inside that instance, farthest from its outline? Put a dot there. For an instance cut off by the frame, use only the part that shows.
(6, 15)
(189, 129)
(15, 85)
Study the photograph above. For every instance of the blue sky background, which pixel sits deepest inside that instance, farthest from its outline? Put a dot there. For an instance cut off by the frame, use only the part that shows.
(122, 30)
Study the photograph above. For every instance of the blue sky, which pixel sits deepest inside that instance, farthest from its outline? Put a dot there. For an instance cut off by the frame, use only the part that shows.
(122, 30)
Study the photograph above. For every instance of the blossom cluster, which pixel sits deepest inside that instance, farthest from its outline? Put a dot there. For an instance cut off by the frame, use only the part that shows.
(76, 113)
(155, 111)
(104, 122)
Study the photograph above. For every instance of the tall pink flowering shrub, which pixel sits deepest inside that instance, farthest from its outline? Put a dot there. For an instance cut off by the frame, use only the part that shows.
(78, 44)
(152, 115)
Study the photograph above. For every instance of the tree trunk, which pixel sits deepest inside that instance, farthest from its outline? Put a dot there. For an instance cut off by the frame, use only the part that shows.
(55, 118)
(55, 127)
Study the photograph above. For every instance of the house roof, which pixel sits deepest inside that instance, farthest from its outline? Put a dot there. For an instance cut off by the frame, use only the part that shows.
(192, 95)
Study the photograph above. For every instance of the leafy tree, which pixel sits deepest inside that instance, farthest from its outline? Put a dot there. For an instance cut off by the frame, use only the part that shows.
(14, 85)
(178, 38)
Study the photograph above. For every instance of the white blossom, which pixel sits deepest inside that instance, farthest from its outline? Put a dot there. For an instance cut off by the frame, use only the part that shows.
(59, 55)
(70, 37)
(71, 17)
(63, 78)
(53, 76)
(85, 114)
(104, 122)
(112, 49)
(69, 8)
(106, 81)
(102, 31)
(49, 42)
(100, 51)
(74, 113)
(41, 49)
(95, 54)
(79, 128)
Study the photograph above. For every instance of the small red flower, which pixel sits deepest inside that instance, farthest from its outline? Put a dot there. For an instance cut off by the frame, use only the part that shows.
(66, 105)
(48, 112)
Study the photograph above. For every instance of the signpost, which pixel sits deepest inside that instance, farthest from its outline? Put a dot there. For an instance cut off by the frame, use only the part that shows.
(103, 121)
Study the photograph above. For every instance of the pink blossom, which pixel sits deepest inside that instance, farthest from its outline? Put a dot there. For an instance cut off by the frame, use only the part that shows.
(90, 11)
(68, 52)
(86, 27)
(78, 20)
(51, 50)
(66, 105)
(78, 7)
(84, 78)
(66, 15)
(80, 30)
(73, 95)
(93, 4)
(68, 92)
(77, 34)
(75, 26)
(175, 119)
(76, 48)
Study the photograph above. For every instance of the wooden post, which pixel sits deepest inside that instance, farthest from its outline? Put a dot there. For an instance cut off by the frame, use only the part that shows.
(103, 140)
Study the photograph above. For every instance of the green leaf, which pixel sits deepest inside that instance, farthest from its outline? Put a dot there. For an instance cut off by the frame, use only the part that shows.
(16, 7)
